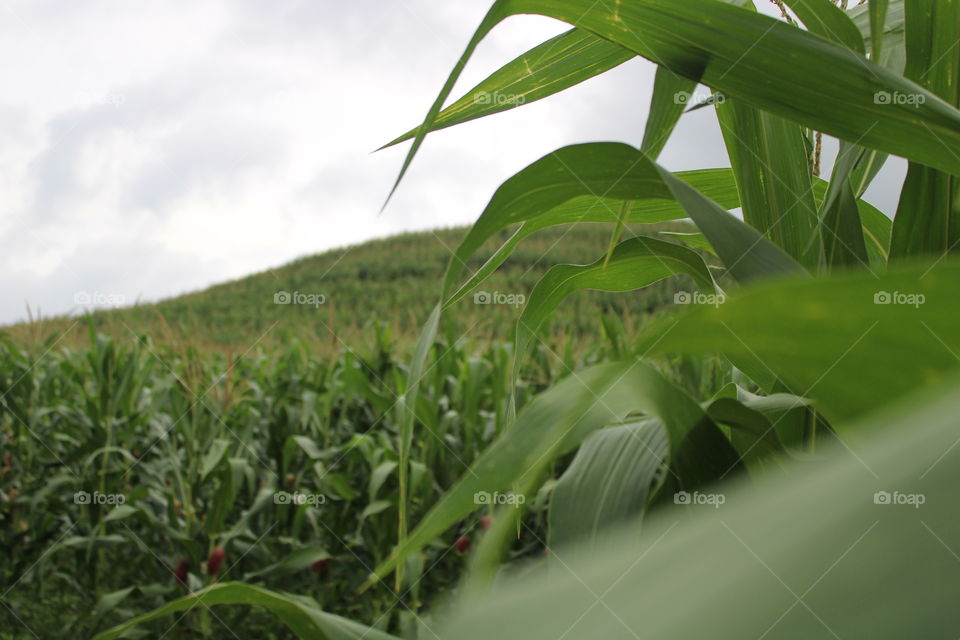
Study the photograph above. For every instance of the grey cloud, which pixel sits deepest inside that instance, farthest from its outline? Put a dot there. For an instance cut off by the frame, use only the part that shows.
(212, 155)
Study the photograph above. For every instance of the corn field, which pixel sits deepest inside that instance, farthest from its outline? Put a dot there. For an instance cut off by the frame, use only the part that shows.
(773, 455)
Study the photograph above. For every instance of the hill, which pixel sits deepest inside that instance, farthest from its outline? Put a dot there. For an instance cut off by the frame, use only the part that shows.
(335, 298)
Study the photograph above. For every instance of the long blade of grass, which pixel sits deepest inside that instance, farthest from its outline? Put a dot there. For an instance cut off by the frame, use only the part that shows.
(892, 52)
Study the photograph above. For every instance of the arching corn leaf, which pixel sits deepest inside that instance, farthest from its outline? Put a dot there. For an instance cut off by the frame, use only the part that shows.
(300, 614)
(611, 170)
(559, 63)
(634, 264)
(715, 184)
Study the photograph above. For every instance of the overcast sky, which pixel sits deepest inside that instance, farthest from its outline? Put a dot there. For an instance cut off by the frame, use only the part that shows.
(151, 148)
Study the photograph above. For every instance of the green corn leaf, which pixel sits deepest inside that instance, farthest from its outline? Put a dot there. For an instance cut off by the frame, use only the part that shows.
(777, 559)
(635, 263)
(928, 216)
(693, 240)
(877, 228)
(848, 342)
(893, 52)
(745, 253)
(751, 432)
(300, 614)
(842, 230)
(728, 48)
(878, 20)
(698, 454)
(556, 65)
(214, 456)
(407, 421)
(827, 20)
(223, 502)
(299, 560)
(716, 184)
(618, 230)
(609, 481)
(876, 225)
(671, 93)
(617, 171)
(770, 161)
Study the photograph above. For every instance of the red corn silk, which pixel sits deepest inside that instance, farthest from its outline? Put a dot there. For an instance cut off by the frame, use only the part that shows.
(181, 572)
(215, 560)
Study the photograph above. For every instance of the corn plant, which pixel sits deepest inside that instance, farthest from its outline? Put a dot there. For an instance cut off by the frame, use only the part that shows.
(822, 312)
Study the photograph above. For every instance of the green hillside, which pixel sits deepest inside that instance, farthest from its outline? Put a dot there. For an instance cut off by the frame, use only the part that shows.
(337, 296)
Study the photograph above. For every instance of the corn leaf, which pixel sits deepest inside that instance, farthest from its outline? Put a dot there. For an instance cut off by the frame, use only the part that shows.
(824, 86)
(609, 481)
(635, 263)
(774, 560)
(559, 63)
(928, 216)
(848, 342)
(300, 614)
(828, 21)
(769, 158)
(716, 184)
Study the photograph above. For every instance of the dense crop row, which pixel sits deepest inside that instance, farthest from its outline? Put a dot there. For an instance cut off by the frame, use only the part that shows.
(126, 464)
